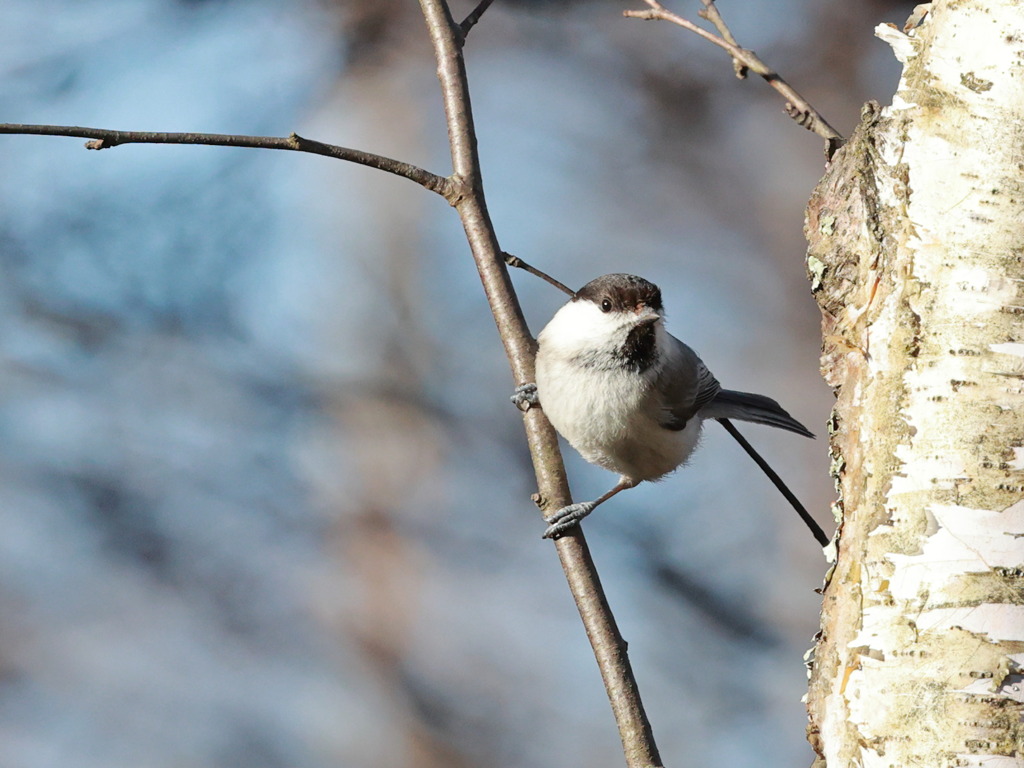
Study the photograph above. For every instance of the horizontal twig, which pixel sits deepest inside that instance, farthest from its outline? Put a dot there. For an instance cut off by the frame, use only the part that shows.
(103, 138)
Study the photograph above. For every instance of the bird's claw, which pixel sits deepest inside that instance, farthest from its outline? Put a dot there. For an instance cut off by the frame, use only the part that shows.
(525, 397)
(567, 517)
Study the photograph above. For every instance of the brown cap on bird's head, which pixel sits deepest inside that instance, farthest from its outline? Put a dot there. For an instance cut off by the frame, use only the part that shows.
(621, 292)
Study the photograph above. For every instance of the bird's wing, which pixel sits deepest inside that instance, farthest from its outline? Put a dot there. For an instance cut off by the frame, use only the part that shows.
(756, 409)
(685, 384)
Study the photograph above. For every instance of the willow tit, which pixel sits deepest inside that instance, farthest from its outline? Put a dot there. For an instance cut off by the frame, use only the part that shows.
(625, 393)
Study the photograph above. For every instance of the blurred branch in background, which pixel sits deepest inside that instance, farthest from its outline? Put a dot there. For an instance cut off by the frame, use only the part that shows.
(797, 107)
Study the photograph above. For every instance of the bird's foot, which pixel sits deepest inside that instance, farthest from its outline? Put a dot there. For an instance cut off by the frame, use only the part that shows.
(567, 517)
(525, 397)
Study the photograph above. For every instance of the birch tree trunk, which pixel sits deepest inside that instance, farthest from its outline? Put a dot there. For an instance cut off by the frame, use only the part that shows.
(917, 260)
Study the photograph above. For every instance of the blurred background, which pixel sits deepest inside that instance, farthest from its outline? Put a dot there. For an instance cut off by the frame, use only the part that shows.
(264, 499)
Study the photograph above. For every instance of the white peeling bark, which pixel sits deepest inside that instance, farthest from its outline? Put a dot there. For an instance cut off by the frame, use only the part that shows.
(917, 260)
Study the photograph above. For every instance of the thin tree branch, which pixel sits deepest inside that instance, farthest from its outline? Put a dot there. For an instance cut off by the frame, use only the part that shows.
(608, 644)
(102, 138)
(797, 107)
(474, 16)
(515, 261)
(710, 13)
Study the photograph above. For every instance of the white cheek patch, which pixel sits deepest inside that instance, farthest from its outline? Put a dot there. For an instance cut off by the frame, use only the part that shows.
(581, 326)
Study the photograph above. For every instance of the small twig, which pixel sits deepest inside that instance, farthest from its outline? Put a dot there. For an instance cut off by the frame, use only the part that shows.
(474, 16)
(103, 138)
(515, 261)
(710, 13)
(777, 481)
(797, 107)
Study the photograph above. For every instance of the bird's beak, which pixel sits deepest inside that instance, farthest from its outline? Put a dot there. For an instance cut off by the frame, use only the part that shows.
(646, 316)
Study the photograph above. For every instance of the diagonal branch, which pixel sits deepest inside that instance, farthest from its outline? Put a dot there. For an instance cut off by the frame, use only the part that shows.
(608, 645)
(797, 107)
(102, 138)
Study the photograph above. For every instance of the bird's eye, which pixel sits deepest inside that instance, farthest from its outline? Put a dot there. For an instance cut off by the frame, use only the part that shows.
(606, 305)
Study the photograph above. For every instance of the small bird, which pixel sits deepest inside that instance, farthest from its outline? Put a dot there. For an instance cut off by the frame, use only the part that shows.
(628, 395)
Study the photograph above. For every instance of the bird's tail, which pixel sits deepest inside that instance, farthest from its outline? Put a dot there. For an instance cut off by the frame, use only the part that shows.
(745, 406)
